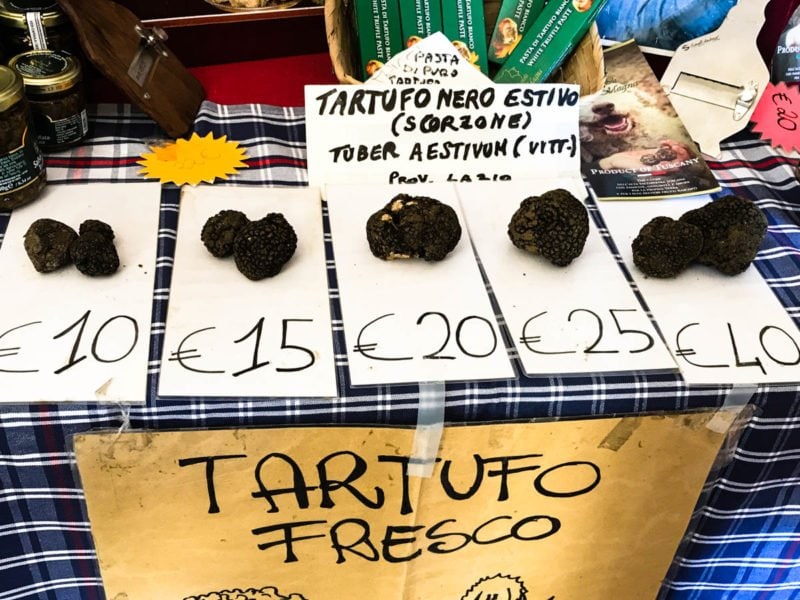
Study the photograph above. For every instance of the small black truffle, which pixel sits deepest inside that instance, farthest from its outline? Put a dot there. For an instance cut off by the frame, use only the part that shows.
(94, 254)
(262, 247)
(555, 225)
(96, 226)
(733, 229)
(47, 244)
(220, 231)
(413, 227)
(665, 247)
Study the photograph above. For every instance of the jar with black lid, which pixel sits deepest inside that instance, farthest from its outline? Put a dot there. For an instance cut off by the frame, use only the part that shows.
(35, 25)
(54, 87)
(22, 172)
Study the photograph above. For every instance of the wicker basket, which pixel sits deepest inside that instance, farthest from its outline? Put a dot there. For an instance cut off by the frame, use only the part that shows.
(584, 66)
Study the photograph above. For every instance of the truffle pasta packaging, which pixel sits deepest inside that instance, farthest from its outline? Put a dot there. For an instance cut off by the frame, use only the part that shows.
(379, 35)
(550, 39)
(419, 18)
(513, 20)
(464, 24)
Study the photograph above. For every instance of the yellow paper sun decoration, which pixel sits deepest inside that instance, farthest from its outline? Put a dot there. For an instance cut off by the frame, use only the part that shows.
(194, 160)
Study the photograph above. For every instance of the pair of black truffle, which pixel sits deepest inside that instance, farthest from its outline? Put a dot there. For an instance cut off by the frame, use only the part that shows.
(724, 234)
(554, 225)
(51, 245)
(259, 248)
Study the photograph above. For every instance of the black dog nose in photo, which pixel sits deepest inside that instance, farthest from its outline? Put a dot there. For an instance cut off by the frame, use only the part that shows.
(604, 108)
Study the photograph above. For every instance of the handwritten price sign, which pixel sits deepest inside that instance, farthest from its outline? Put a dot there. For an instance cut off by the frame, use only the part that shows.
(51, 348)
(68, 337)
(767, 348)
(248, 338)
(408, 321)
(720, 329)
(575, 319)
(777, 116)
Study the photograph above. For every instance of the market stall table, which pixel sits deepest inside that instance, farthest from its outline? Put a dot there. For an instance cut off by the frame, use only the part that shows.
(745, 537)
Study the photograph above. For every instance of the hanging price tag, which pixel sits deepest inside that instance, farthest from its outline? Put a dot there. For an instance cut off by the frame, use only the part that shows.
(777, 116)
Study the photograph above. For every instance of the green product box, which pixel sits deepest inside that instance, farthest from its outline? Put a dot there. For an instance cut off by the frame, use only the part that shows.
(549, 41)
(513, 20)
(463, 23)
(379, 35)
(419, 19)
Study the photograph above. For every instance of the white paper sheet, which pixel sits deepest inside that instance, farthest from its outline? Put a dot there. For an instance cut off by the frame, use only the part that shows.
(720, 329)
(575, 319)
(230, 336)
(65, 336)
(411, 320)
(424, 134)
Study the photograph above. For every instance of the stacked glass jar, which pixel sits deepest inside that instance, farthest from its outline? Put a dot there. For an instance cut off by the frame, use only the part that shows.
(42, 100)
(22, 173)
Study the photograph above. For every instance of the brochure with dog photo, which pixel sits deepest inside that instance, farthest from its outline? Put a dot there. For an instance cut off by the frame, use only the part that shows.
(633, 145)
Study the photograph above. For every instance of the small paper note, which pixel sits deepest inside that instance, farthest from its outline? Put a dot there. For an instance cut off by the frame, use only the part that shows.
(433, 61)
(777, 116)
(194, 160)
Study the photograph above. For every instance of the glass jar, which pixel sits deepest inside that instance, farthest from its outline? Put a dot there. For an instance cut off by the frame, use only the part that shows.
(22, 173)
(35, 25)
(54, 87)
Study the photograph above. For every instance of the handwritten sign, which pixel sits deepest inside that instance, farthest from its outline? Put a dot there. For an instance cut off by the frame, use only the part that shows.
(556, 509)
(574, 319)
(229, 336)
(720, 329)
(411, 320)
(406, 135)
(432, 61)
(68, 337)
(777, 116)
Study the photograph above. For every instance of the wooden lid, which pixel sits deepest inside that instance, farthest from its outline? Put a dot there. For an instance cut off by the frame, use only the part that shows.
(137, 61)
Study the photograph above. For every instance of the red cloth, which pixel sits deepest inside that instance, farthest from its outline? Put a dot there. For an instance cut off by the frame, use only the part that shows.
(276, 81)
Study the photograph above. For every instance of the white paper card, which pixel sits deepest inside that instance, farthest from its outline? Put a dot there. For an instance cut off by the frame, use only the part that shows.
(575, 319)
(230, 336)
(424, 134)
(409, 320)
(721, 329)
(65, 336)
(432, 61)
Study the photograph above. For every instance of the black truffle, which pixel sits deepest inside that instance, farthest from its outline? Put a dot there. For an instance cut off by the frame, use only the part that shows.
(96, 226)
(413, 227)
(554, 225)
(220, 231)
(262, 247)
(94, 254)
(665, 247)
(47, 243)
(733, 229)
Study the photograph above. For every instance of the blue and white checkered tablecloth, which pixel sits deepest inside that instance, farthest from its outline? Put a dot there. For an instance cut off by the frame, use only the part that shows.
(746, 543)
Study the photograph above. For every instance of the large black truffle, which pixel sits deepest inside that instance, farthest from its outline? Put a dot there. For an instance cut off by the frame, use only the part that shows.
(47, 243)
(220, 231)
(733, 229)
(413, 227)
(555, 225)
(665, 247)
(94, 254)
(262, 247)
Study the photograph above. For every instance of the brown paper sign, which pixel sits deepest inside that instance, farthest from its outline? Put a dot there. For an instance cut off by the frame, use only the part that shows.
(588, 510)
